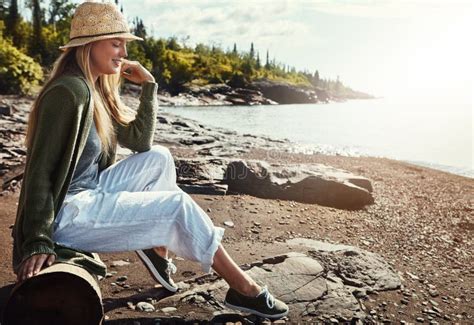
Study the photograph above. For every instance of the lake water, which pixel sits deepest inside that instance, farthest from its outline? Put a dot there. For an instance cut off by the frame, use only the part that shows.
(433, 133)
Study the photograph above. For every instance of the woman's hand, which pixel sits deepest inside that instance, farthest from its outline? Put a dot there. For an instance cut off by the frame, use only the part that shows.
(135, 72)
(33, 265)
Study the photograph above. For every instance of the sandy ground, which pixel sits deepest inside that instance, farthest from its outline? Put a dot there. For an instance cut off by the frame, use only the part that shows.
(421, 223)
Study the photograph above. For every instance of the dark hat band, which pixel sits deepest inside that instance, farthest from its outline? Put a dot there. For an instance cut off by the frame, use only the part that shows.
(99, 35)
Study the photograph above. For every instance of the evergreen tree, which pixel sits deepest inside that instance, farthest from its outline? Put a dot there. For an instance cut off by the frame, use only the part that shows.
(139, 28)
(3, 10)
(267, 62)
(234, 50)
(38, 46)
(316, 79)
(258, 64)
(252, 52)
(12, 21)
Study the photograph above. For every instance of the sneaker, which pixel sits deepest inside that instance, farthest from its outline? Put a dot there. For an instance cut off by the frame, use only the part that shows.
(264, 305)
(159, 267)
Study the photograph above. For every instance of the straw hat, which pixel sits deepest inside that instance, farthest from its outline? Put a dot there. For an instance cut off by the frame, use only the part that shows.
(95, 21)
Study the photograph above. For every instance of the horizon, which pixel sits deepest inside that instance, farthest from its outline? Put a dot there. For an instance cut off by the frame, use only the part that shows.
(382, 48)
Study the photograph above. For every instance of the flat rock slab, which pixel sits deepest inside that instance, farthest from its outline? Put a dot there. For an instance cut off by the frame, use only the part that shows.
(310, 287)
(307, 183)
(357, 268)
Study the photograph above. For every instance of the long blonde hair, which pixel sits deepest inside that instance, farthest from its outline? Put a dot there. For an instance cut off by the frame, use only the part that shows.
(106, 100)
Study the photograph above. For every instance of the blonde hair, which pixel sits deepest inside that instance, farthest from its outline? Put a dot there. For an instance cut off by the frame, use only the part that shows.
(105, 97)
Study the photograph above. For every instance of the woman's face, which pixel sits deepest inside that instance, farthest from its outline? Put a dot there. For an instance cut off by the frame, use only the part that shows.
(106, 56)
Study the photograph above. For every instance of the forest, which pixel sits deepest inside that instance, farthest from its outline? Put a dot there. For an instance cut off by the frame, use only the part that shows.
(29, 46)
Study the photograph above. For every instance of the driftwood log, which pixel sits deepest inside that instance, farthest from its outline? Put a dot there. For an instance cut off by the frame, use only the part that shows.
(59, 294)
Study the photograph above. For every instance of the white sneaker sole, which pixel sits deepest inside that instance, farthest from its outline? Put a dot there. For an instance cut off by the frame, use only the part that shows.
(251, 311)
(154, 272)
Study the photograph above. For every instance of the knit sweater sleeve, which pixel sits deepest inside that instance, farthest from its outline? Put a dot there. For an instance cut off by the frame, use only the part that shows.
(138, 134)
(57, 118)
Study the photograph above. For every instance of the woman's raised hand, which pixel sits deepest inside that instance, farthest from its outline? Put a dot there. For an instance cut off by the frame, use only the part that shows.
(31, 266)
(135, 72)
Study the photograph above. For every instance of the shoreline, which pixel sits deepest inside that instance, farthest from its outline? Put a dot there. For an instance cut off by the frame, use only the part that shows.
(309, 149)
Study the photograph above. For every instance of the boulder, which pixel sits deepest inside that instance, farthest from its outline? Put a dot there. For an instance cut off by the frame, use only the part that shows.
(307, 183)
(284, 93)
(201, 175)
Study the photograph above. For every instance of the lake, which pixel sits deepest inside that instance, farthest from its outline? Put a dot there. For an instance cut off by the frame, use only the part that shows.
(433, 133)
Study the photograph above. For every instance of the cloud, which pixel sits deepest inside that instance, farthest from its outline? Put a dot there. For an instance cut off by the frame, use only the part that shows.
(386, 8)
(222, 22)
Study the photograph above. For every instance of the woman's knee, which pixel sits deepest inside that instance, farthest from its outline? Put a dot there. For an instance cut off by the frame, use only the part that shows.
(159, 152)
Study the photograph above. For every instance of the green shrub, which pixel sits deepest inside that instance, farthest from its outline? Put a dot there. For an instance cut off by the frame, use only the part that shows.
(19, 73)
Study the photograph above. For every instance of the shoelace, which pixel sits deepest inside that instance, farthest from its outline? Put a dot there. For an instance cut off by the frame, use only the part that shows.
(270, 300)
(171, 268)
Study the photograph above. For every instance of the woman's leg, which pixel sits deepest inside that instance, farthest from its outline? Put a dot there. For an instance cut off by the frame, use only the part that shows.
(152, 170)
(225, 266)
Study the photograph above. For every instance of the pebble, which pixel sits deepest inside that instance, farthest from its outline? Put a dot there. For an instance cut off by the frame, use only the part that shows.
(122, 278)
(168, 309)
(420, 319)
(120, 263)
(433, 293)
(414, 277)
(145, 306)
(130, 305)
(229, 224)
(434, 303)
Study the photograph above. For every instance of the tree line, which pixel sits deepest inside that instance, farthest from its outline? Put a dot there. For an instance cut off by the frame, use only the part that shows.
(29, 47)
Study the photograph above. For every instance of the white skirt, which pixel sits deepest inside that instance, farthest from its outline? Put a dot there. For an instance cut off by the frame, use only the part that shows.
(137, 205)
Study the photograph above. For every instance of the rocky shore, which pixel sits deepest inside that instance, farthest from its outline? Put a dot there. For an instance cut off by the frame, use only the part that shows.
(340, 239)
(260, 92)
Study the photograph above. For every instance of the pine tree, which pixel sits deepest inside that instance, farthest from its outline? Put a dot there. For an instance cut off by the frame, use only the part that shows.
(252, 51)
(258, 64)
(234, 50)
(316, 79)
(139, 28)
(12, 22)
(267, 63)
(3, 10)
(38, 46)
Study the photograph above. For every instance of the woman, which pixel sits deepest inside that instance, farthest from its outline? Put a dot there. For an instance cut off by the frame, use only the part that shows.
(75, 199)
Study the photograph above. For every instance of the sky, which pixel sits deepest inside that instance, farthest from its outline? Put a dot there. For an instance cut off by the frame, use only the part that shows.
(384, 47)
(373, 46)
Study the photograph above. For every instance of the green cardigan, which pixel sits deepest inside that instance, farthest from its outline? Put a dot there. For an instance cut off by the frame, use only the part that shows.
(65, 116)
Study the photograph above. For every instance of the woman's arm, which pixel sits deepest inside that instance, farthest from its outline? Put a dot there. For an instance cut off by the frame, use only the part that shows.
(56, 132)
(138, 134)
